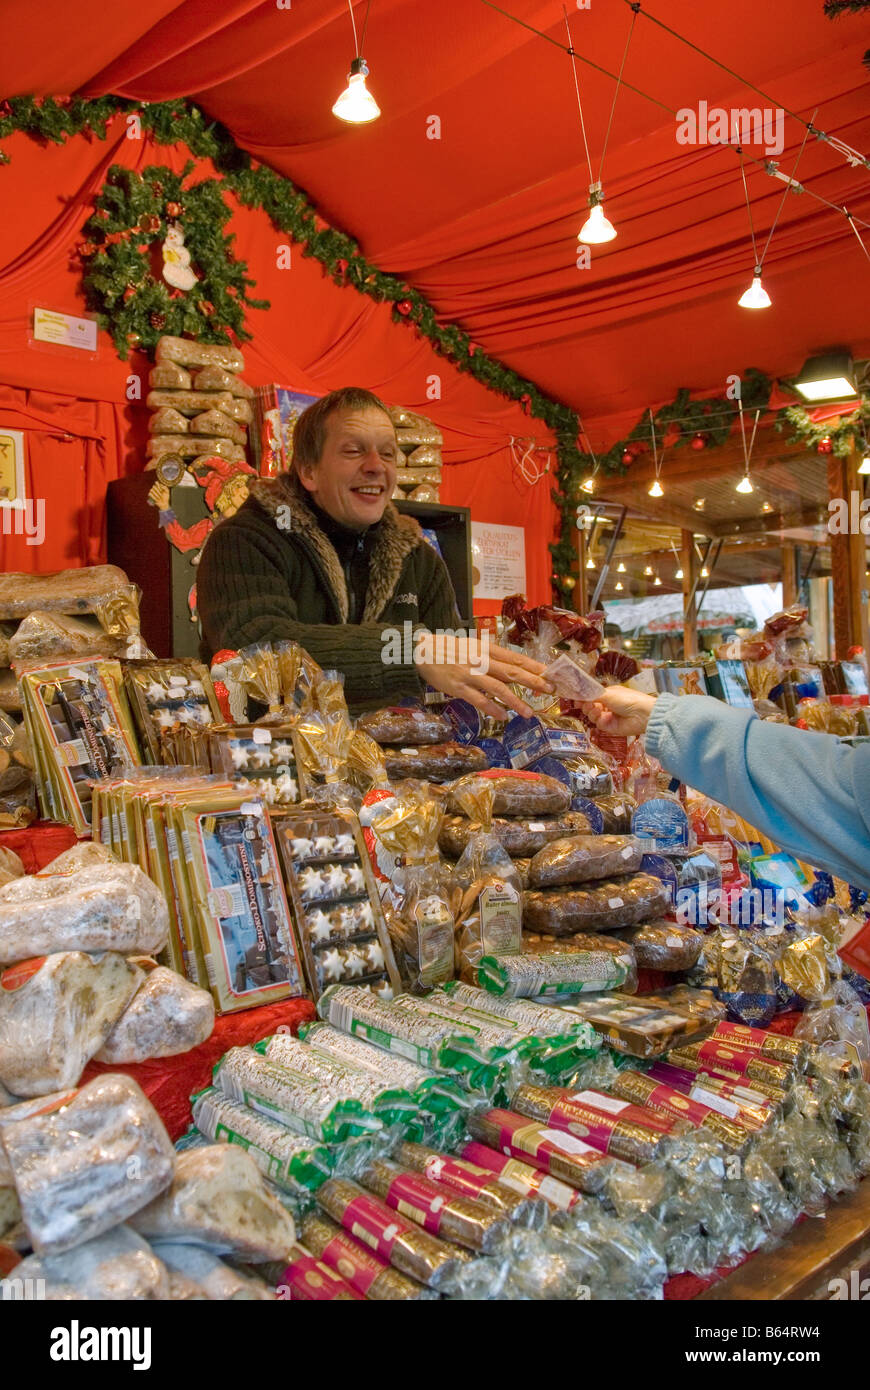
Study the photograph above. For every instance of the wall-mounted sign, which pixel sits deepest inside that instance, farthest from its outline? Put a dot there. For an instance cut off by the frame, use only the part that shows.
(498, 560)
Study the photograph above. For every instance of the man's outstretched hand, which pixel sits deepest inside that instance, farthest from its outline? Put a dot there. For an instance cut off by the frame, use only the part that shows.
(620, 710)
(481, 673)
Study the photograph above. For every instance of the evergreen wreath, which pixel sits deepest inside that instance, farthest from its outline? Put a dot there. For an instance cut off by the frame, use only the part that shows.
(121, 274)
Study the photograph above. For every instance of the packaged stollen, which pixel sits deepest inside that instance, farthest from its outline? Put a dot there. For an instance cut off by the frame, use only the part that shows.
(237, 899)
(555, 974)
(433, 762)
(365, 1271)
(11, 866)
(67, 591)
(391, 1235)
(434, 1041)
(655, 1095)
(616, 810)
(641, 1026)
(165, 695)
(406, 725)
(745, 1104)
(664, 945)
(436, 1208)
(551, 1150)
(599, 906)
(521, 1177)
(517, 793)
(487, 904)
(305, 1278)
(290, 1097)
(166, 1016)
(519, 837)
(437, 1094)
(218, 1199)
(88, 1162)
(114, 1267)
(478, 1184)
(583, 857)
(293, 1163)
(613, 1126)
(336, 906)
(424, 927)
(389, 1104)
(200, 1274)
(55, 1014)
(101, 907)
(52, 636)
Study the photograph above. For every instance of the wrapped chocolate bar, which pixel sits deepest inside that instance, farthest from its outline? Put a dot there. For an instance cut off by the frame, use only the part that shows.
(558, 1154)
(663, 945)
(605, 904)
(335, 901)
(365, 1271)
(640, 1025)
(167, 695)
(773, 1047)
(742, 1103)
(435, 762)
(583, 857)
(406, 725)
(424, 927)
(519, 1177)
(308, 1279)
(237, 899)
(392, 1236)
(471, 1181)
(734, 1064)
(518, 837)
(612, 1126)
(559, 973)
(389, 1104)
(293, 1163)
(436, 1094)
(655, 1095)
(436, 1208)
(295, 1098)
(487, 905)
(515, 793)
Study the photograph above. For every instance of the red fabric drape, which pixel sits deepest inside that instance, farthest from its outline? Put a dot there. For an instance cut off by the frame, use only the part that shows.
(82, 430)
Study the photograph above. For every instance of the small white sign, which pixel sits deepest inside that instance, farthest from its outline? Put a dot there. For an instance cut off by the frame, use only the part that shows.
(498, 560)
(50, 326)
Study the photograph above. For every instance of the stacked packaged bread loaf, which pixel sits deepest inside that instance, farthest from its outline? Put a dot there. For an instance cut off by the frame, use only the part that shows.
(419, 474)
(200, 407)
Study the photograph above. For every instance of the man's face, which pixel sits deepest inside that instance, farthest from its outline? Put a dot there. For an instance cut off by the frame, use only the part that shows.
(356, 474)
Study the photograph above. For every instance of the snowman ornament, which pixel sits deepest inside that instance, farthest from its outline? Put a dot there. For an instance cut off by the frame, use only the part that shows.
(176, 260)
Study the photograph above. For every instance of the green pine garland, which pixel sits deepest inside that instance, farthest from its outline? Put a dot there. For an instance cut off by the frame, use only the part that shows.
(834, 8)
(225, 284)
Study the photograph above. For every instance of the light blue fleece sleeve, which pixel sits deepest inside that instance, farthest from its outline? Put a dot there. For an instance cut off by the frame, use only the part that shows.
(806, 791)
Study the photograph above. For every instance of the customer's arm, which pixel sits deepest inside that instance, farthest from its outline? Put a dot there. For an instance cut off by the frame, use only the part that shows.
(807, 791)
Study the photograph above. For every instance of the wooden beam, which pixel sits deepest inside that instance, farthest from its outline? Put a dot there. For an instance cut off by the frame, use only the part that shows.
(658, 509)
(578, 594)
(789, 576)
(848, 558)
(690, 567)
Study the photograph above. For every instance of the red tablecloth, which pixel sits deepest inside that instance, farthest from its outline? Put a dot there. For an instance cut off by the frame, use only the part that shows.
(39, 843)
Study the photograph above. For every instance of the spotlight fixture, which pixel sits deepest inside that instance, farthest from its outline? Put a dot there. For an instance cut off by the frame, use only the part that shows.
(356, 105)
(756, 297)
(656, 581)
(705, 573)
(864, 465)
(699, 504)
(620, 568)
(745, 484)
(655, 489)
(828, 377)
(766, 507)
(678, 574)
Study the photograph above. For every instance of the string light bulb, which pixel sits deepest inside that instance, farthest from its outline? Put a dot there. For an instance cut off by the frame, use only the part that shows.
(655, 489)
(596, 230)
(756, 297)
(745, 484)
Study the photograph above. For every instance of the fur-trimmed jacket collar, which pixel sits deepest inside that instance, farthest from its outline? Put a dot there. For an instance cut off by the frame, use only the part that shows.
(285, 500)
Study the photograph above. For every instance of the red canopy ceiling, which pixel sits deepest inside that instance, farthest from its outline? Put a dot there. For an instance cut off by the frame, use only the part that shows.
(484, 221)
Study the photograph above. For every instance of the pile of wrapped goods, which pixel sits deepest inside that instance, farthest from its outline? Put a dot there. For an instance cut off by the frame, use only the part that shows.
(200, 407)
(420, 442)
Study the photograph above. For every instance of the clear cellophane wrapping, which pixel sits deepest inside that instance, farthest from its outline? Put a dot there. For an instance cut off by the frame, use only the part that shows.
(487, 893)
(422, 925)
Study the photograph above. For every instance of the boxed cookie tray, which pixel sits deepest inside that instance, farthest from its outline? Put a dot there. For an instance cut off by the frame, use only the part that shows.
(644, 1026)
(261, 758)
(238, 900)
(335, 901)
(167, 695)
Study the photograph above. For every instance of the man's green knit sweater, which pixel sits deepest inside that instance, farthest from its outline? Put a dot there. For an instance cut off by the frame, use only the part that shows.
(270, 573)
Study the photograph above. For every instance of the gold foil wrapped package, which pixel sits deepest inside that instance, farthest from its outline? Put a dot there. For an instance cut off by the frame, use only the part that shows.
(803, 965)
(361, 1267)
(487, 904)
(422, 928)
(298, 676)
(256, 669)
(390, 1234)
(436, 1208)
(365, 762)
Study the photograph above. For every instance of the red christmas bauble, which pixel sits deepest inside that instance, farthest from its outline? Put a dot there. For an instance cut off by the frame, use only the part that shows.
(133, 339)
(525, 402)
(129, 293)
(341, 266)
(157, 188)
(404, 307)
(207, 307)
(825, 446)
(174, 209)
(102, 214)
(5, 108)
(87, 248)
(149, 223)
(699, 442)
(627, 457)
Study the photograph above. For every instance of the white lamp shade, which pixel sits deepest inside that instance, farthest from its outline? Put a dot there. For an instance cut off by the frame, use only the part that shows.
(756, 297)
(656, 490)
(356, 103)
(596, 229)
(745, 485)
(864, 466)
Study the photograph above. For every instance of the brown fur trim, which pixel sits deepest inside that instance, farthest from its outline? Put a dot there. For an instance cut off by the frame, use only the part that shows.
(397, 537)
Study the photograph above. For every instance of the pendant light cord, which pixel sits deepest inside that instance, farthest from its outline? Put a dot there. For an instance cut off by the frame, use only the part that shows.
(635, 8)
(577, 90)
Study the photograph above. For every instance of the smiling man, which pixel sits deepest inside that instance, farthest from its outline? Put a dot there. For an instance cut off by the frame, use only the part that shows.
(321, 557)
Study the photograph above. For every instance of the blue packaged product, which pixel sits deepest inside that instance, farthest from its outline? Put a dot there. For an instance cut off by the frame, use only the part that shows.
(694, 880)
(663, 821)
(590, 811)
(495, 751)
(466, 720)
(529, 739)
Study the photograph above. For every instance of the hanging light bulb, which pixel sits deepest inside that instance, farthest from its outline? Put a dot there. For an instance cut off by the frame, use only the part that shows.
(656, 489)
(766, 507)
(619, 583)
(678, 574)
(620, 568)
(864, 465)
(588, 485)
(596, 229)
(590, 563)
(745, 484)
(648, 570)
(656, 581)
(356, 103)
(705, 573)
(756, 297)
